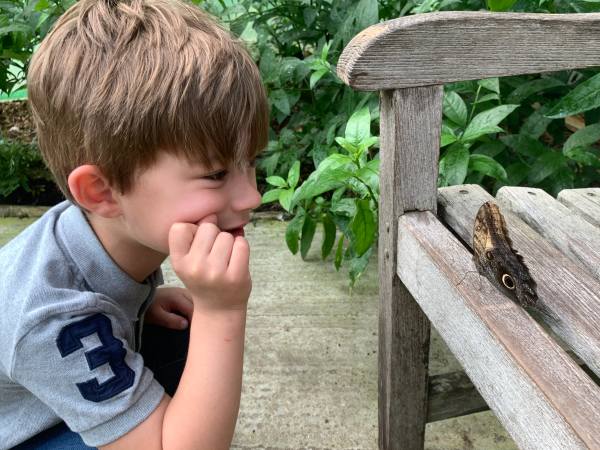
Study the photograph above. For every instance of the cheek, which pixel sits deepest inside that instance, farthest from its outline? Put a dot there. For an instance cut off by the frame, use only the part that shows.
(192, 209)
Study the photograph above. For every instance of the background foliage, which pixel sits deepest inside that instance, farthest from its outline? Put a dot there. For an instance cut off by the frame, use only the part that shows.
(322, 165)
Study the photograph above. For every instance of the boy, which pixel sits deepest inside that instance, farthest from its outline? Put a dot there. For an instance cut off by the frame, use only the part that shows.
(149, 115)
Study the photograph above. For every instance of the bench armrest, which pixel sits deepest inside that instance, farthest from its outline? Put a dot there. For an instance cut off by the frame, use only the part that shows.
(442, 47)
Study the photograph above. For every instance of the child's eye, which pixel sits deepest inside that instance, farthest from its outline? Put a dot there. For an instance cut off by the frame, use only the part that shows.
(217, 176)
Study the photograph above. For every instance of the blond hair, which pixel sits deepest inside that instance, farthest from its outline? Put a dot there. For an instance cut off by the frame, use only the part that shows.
(116, 82)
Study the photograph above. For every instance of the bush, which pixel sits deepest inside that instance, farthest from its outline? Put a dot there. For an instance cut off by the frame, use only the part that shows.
(322, 160)
(322, 157)
(22, 167)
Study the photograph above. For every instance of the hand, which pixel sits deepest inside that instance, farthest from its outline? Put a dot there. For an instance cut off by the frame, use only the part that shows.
(212, 264)
(168, 301)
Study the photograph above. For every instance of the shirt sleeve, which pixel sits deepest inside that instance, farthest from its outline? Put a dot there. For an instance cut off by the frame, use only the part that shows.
(83, 367)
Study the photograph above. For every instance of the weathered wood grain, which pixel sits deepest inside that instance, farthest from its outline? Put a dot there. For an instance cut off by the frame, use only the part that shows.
(585, 202)
(544, 400)
(453, 395)
(573, 236)
(568, 293)
(410, 135)
(442, 47)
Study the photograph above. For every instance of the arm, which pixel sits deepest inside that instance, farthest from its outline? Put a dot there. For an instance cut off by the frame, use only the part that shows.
(203, 412)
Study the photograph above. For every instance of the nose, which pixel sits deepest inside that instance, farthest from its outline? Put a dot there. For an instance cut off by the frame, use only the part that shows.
(244, 194)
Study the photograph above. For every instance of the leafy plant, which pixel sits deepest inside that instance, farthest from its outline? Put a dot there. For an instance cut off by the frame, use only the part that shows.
(23, 24)
(21, 166)
(351, 180)
(533, 148)
(321, 164)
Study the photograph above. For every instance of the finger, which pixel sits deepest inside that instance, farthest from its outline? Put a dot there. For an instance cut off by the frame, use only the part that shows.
(240, 258)
(173, 321)
(181, 236)
(212, 218)
(183, 304)
(221, 250)
(204, 239)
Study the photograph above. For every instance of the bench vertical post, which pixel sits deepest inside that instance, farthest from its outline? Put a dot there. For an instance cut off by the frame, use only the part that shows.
(410, 123)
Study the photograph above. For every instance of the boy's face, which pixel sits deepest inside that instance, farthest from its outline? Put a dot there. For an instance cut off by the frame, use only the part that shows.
(174, 190)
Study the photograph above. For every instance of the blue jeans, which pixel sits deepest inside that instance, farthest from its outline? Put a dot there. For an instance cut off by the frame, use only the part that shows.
(164, 352)
(55, 438)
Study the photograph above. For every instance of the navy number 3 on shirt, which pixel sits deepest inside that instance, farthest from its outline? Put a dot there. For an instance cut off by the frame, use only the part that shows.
(111, 351)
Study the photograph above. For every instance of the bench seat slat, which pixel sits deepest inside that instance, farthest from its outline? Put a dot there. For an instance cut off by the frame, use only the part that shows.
(503, 350)
(585, 202)
(569, 294)
(575, 237)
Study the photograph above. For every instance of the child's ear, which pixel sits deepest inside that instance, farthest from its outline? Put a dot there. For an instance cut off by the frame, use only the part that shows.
(92, 191)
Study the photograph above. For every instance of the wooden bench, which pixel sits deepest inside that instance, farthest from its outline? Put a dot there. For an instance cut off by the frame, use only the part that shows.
(524, 369)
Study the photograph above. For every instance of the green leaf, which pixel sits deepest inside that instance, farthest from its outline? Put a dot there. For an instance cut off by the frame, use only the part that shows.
(491, 149)
(331, 174)
(310, 14)
(448, 137)
(308, 233)
(455, 109)
(524, 144)
(317, 75)
(347, 145)
(491, 84)
(363, 227)
(367, 13)
(280, 100)
(583, 157)
(344, 206)
(584, 97)
(292, 232)
(535, 125)
(456, 163)
(546, 165)
(329, 230)
(486, 122)
(285, 198)
(582, 138)
(500, 5)
(271, 196)
(339, 253)
(487, 166)
(517, 172)
(293, 174)
(14, 28)
(358, 266)
(487, 98)
(276, 181)
(269, 66)
(369, 174)
(532, 87)
(325, 50)
(358, 127)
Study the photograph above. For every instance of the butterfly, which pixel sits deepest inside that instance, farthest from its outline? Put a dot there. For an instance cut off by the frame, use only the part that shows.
(496, 259)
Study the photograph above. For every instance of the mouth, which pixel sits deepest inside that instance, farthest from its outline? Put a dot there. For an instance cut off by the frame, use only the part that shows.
(237, 231)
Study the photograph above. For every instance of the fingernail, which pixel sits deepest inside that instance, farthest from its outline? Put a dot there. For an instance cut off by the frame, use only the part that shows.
(183, 324)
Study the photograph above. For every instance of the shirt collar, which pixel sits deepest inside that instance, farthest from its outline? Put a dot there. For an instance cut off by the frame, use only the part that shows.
(99, 270)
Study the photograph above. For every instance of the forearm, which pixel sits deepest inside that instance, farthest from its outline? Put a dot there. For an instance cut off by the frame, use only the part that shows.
(203, 411)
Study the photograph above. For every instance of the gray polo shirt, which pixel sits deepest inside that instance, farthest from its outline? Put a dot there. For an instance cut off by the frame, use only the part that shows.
(69, 335)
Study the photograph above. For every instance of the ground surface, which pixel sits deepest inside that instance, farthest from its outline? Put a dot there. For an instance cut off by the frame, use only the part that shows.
(310, 377)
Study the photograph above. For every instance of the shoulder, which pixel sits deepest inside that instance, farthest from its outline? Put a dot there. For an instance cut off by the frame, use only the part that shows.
(37, 319)
(83, 366)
